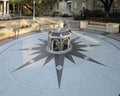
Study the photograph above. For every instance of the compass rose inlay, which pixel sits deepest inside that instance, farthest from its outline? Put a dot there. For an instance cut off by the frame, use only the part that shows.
(42, 52)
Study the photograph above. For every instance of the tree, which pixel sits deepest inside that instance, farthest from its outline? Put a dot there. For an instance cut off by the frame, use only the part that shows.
(39, 4)
(28, 4)
(107, 6)
(48, 2)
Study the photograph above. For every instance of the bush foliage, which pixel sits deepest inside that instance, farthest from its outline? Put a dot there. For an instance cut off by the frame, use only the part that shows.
(98, 15)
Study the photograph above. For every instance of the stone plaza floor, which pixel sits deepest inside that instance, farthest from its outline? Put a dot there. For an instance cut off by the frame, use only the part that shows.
(92, 71)
(91, 68)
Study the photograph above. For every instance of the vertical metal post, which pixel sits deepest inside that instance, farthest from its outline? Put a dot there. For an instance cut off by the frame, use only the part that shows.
(20, 11)
(34, 10)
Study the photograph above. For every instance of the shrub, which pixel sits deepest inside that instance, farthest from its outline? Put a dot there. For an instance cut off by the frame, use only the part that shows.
(95, 13)
(115, 15)
(89, 13)
(99, 19)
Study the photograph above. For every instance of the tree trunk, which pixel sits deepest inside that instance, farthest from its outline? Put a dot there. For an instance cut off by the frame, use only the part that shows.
(107, 9)
(107, 14)
(107, 5)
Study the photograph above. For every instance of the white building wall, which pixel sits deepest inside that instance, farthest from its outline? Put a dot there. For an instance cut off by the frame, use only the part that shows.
(76, 6)
(4, 8)
(90, 4)
(62, 6)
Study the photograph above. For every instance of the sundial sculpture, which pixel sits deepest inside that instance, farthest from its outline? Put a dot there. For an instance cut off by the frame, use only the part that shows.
(58, 47)
(59, 41)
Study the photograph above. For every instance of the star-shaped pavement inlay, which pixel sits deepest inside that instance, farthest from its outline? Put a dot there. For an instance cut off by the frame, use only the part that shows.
(42, 52)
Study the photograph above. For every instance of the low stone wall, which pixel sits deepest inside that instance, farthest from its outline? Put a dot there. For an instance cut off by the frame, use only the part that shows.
(5, 33)
(99, 26)
(112, 27)
(9, 32)
(18, 27)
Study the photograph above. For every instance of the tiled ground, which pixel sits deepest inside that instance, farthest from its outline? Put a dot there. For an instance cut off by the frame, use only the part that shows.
(91, 68)
(115, 36)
